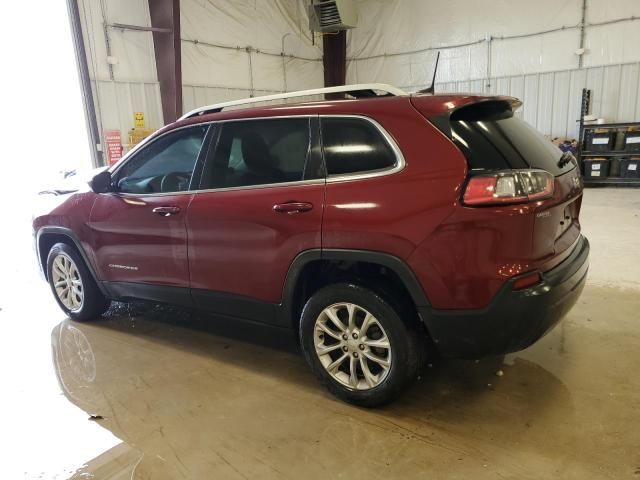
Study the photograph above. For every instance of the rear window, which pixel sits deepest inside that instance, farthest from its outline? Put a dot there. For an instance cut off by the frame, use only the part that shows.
(354, 145)
(493, 139)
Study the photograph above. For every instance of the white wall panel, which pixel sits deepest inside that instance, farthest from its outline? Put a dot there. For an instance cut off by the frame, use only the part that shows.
(553, 51)
(118, 100)
(577, 81)
(560, 109)
(610, 93)
(203, 65)
(531, 94)
(594, 82)
(196, 96)
(262, 26)
(394, 26)
(545, 103)
(302, 75)
(628, 96)
(540, 69)
(210, 72)
(551, 101)
(133, 51)
(617, 43)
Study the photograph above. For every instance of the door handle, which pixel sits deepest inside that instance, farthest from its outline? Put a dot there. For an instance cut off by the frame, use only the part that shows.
(166, 211)
(292, 207)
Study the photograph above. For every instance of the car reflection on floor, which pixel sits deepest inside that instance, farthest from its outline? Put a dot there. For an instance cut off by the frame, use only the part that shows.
(186, 401)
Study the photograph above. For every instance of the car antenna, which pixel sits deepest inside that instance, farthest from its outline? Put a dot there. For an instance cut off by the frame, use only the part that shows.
(432, 88)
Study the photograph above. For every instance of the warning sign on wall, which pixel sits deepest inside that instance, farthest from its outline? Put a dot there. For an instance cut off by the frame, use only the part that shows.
(113, 142)
(138, 119)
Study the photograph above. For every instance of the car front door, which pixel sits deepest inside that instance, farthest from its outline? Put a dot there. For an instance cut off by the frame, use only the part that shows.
(260, 204)
(139, 232)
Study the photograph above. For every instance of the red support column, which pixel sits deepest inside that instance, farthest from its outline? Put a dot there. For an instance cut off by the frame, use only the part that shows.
(165, 14)
(334, 60)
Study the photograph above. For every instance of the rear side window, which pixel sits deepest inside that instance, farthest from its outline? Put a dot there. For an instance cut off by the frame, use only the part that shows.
(354, 145)
(258, 152)
(493, 139)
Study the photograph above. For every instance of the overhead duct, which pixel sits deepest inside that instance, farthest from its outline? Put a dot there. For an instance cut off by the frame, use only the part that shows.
(332, 15)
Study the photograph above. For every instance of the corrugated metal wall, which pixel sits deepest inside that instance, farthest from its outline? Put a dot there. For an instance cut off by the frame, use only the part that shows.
(116, 100)
(552, 100)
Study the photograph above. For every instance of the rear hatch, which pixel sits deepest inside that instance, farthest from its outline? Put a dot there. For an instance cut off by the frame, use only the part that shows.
(494, 140)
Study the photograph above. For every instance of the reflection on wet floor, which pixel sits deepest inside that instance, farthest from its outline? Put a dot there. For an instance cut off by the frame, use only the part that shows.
(196, 397)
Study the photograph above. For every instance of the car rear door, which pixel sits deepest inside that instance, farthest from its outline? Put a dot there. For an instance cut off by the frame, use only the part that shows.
(260, 204)
(138, 231)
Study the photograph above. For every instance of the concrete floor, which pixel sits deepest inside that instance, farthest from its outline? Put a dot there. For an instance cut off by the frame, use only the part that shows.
(181, 396)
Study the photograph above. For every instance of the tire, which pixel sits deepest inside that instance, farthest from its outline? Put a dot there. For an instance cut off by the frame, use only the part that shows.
(404, 353)
(77, 294)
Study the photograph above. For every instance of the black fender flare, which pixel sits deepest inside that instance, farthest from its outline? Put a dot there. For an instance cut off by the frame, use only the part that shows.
(67, 232)
(393, 263)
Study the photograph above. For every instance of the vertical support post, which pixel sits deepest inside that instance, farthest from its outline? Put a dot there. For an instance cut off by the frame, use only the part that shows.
(90, 116)
(334, 61)
(165, 14)
(251, 89)
(585, 107)
(284, 63)
(107, 40)
(583, 26)
(489, 41)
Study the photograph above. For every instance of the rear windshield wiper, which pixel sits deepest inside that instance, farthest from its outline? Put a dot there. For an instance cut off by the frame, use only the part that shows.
(567, 157)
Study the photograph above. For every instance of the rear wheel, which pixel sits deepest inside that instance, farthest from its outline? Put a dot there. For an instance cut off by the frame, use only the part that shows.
(358, 345)
(72, 284)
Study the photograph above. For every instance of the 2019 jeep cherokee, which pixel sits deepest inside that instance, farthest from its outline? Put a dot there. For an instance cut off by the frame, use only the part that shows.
(368, 225)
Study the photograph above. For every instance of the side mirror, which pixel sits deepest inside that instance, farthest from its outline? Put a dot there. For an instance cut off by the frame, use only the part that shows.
(102, 182)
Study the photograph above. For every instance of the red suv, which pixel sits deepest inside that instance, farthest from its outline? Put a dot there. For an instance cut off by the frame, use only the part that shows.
(381, 228)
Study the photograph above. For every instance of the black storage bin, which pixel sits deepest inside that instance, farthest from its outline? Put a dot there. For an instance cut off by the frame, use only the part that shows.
(614, 167)
(596, 167)
(599, 140)
(632, 141)
(630, 167)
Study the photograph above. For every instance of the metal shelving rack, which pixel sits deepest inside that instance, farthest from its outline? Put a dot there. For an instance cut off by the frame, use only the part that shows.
(614, 181)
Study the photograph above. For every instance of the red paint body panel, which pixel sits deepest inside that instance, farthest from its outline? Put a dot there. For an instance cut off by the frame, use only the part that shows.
(70, 212)
(145, 247)
(472, 253)
(395, 213)
(239, 244)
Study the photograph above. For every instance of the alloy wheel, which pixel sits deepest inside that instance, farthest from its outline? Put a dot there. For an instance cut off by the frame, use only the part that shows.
(67, 282)
(352, 346)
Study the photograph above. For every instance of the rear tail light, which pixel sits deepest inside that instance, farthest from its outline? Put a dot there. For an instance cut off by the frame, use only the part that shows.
(508, 186)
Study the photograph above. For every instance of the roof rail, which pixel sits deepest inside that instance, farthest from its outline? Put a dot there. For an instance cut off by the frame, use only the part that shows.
(360, 90)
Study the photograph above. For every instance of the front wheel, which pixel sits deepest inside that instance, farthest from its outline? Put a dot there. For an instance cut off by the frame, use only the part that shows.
(358, 345)
(72, 285)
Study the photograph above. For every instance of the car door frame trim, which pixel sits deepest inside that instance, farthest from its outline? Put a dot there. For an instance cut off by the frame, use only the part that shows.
(397, 167)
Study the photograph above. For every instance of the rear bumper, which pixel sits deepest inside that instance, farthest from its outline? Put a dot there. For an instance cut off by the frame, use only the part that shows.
(515, 319)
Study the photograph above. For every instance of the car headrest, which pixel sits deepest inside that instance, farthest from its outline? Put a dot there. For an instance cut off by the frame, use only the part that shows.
(255, 152)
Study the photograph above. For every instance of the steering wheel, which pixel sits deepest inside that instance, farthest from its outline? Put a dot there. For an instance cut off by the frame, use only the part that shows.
(171, 182)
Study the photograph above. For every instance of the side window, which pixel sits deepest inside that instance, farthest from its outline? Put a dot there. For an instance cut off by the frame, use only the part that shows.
(354, 145)
(258, 152)
(164, 166)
